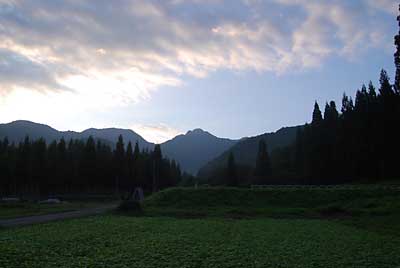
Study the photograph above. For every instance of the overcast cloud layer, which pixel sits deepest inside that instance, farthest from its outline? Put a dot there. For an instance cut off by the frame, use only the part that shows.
(107, 53)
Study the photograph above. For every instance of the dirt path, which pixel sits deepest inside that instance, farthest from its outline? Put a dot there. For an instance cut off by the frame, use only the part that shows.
(54, 217)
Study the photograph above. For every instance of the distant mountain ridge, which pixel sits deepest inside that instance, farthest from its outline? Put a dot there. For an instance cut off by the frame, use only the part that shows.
(16, 131)
(245, 150)
(191, 150)
(195, 148)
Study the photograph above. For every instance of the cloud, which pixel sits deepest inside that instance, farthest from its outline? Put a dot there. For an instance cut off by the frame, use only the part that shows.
(337, 28)
(18, 71)
(121, 51)
(156, 133)
(389, 6)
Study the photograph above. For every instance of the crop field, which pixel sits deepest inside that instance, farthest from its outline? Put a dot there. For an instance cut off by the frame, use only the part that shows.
(118, 241)
(236, 228)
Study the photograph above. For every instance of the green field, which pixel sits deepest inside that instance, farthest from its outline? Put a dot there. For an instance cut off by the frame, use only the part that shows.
(223, 227)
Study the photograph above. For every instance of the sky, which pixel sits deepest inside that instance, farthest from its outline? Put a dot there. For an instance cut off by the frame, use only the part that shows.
(235, 68)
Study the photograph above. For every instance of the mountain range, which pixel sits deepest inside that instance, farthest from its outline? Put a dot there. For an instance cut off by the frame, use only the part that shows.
(191, 151)
(197, 151)
(16, 131)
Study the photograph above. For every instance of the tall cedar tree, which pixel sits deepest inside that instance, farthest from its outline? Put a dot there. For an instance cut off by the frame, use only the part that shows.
(119, 162)
(232, 171)
(317, 115)
(263, 164)
(157, 162)
(130, 183)
(397, 58)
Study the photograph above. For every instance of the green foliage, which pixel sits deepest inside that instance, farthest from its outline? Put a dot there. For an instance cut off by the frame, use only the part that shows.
(273, 201)
(115, 241)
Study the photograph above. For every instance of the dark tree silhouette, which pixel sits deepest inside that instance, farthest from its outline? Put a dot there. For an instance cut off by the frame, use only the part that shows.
(34, 168)
(156, 157)
(397, 58)
(119, 160)
(317, 115)
(263, 164)
(232, 171)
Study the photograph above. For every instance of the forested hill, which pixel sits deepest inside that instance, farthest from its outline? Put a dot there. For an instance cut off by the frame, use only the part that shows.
(245, 151)
(194, 149)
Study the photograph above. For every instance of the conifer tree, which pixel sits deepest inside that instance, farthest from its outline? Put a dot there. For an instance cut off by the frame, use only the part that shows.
(386, 88)
(299, 152)
(136, 152)
(119, 161)
(62, 168)
(39, 162)
(347, 105)
(371, 93)
(156, 157)
(130, 166)
(397, 58)
(317, 116)
(231, 171)
(138, 166)
(263, 163)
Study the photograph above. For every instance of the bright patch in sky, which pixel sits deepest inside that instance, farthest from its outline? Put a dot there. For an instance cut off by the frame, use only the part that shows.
(157, 134)
(80, 64)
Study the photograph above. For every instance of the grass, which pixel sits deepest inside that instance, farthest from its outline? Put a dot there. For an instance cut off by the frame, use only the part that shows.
(120, 241)
(24, 209)
(274, 202)
(223, 227)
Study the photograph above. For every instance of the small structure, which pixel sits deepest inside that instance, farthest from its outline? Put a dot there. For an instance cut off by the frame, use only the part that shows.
(138, 195)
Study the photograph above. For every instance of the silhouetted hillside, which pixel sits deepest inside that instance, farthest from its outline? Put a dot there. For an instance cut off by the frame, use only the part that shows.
(245, 151)
(17, 130)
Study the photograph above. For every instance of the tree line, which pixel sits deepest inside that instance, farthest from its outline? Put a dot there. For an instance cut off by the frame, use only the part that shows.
(359, 143)
(82, 166)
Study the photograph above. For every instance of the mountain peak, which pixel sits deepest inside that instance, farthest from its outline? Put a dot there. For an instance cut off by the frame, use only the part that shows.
(196, 131)
(25, 123)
